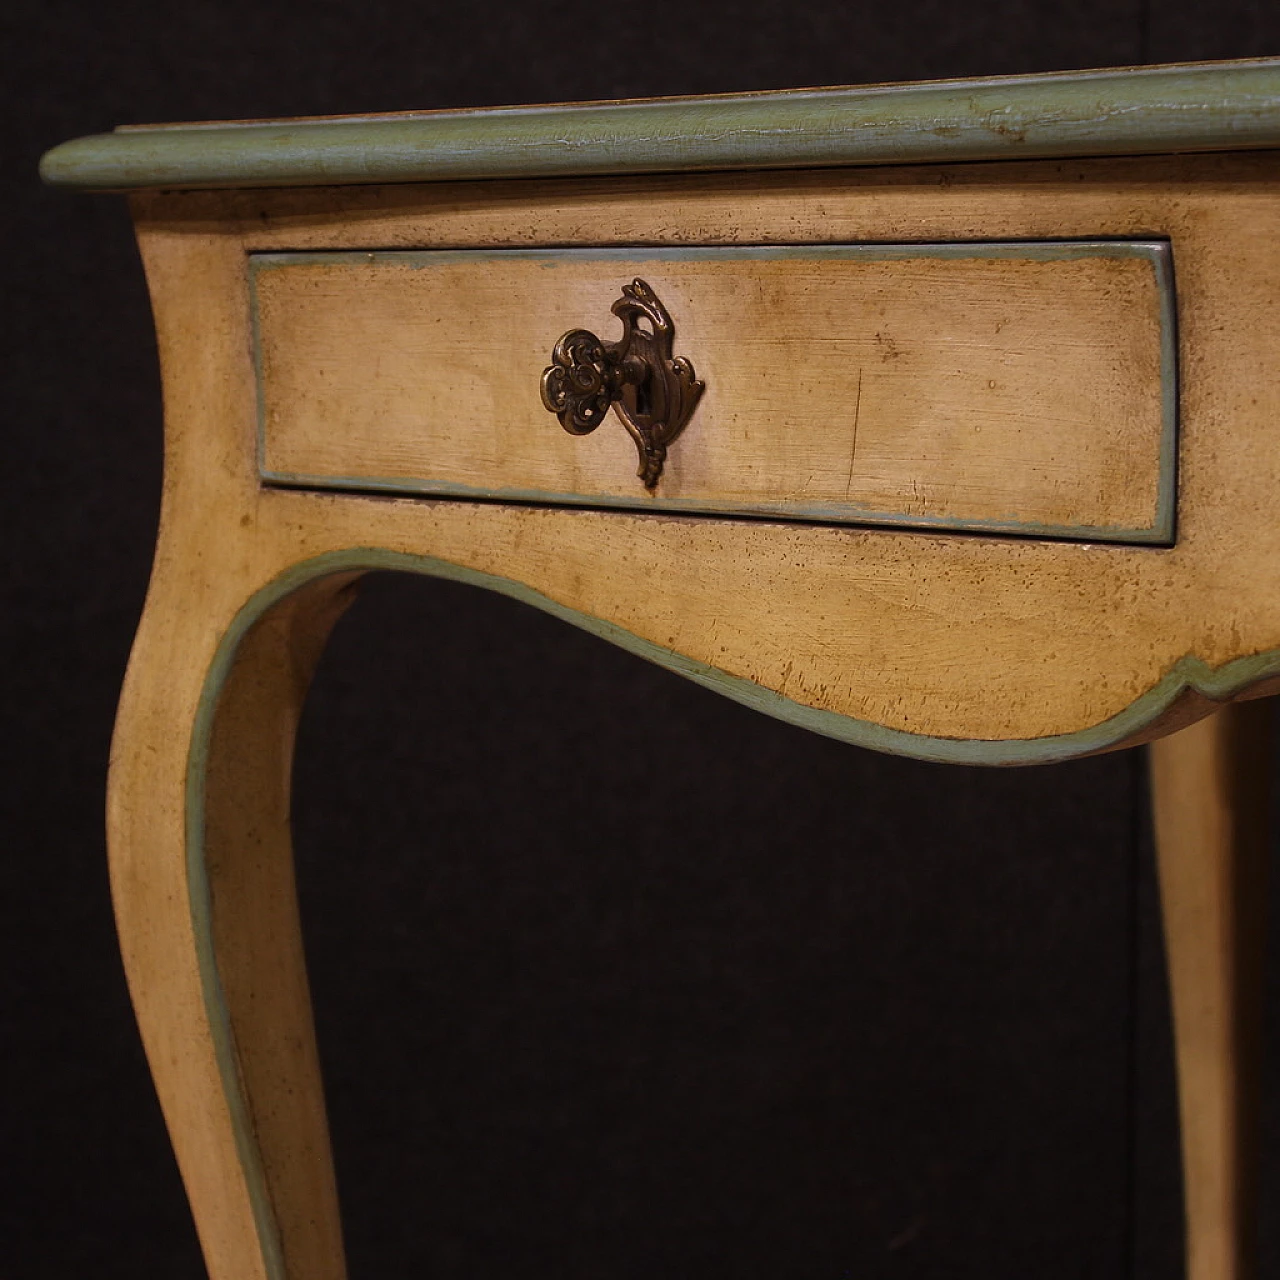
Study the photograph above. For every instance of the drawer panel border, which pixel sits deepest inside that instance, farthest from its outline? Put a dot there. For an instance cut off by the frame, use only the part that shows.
(1157, 251)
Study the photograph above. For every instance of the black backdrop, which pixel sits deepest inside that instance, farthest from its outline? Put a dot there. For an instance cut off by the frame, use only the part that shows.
(804, 1012)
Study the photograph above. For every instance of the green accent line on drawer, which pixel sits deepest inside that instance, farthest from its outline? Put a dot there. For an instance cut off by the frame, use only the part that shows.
(1146, 110)
(1160, 532)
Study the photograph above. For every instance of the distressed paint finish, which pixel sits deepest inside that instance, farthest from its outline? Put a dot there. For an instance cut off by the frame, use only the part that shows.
(893, 629)
(1222, 106)
(952, 647)
(973, 648)
(1026, 388)
(250, 971)
(1189, 691)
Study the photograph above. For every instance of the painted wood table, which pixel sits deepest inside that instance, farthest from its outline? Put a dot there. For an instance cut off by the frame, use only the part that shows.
(938, 418)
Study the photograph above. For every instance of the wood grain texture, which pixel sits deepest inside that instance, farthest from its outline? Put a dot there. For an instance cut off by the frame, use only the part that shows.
(1011, 387)
(1210, 790)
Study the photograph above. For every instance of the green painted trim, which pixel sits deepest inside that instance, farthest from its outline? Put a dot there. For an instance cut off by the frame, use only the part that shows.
(873, 251)
(1164, 525)
(200, 902)
(1189, 673)
(847, 514)
(1156, 252)
(1145, 110)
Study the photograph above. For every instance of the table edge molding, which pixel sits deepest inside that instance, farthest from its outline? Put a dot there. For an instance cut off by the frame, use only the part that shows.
(1145, 110)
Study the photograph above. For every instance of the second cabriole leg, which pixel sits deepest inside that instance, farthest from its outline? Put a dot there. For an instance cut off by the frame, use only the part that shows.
(1210, 795)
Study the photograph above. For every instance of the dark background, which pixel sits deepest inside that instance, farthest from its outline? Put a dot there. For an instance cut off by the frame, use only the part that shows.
(812, 1013)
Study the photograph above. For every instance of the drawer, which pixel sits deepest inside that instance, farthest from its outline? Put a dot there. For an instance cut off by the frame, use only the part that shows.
(1002, 387)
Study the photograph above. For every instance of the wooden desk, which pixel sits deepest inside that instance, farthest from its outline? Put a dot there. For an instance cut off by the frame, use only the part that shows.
(983, 470)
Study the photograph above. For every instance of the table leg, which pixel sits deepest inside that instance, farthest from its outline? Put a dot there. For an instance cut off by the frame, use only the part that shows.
(202, 879)
(1210, 794)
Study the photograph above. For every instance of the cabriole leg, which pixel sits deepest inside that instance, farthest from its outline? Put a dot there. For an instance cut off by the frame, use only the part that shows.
(202, 879)
(1210, 794)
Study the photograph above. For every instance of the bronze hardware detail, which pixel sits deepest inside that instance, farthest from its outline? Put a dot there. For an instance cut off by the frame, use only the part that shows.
(653, 394)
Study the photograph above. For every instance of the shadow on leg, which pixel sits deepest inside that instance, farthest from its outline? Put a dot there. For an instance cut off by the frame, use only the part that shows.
(1210, 794)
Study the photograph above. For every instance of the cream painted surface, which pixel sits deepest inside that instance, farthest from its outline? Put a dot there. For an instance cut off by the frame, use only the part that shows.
(944, 635)
(951, 636)
(971, 390)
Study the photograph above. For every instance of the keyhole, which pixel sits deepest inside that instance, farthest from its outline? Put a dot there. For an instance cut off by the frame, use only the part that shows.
(644, 401)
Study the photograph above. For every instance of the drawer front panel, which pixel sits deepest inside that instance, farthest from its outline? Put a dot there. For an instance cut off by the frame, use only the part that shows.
(1022, 388)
